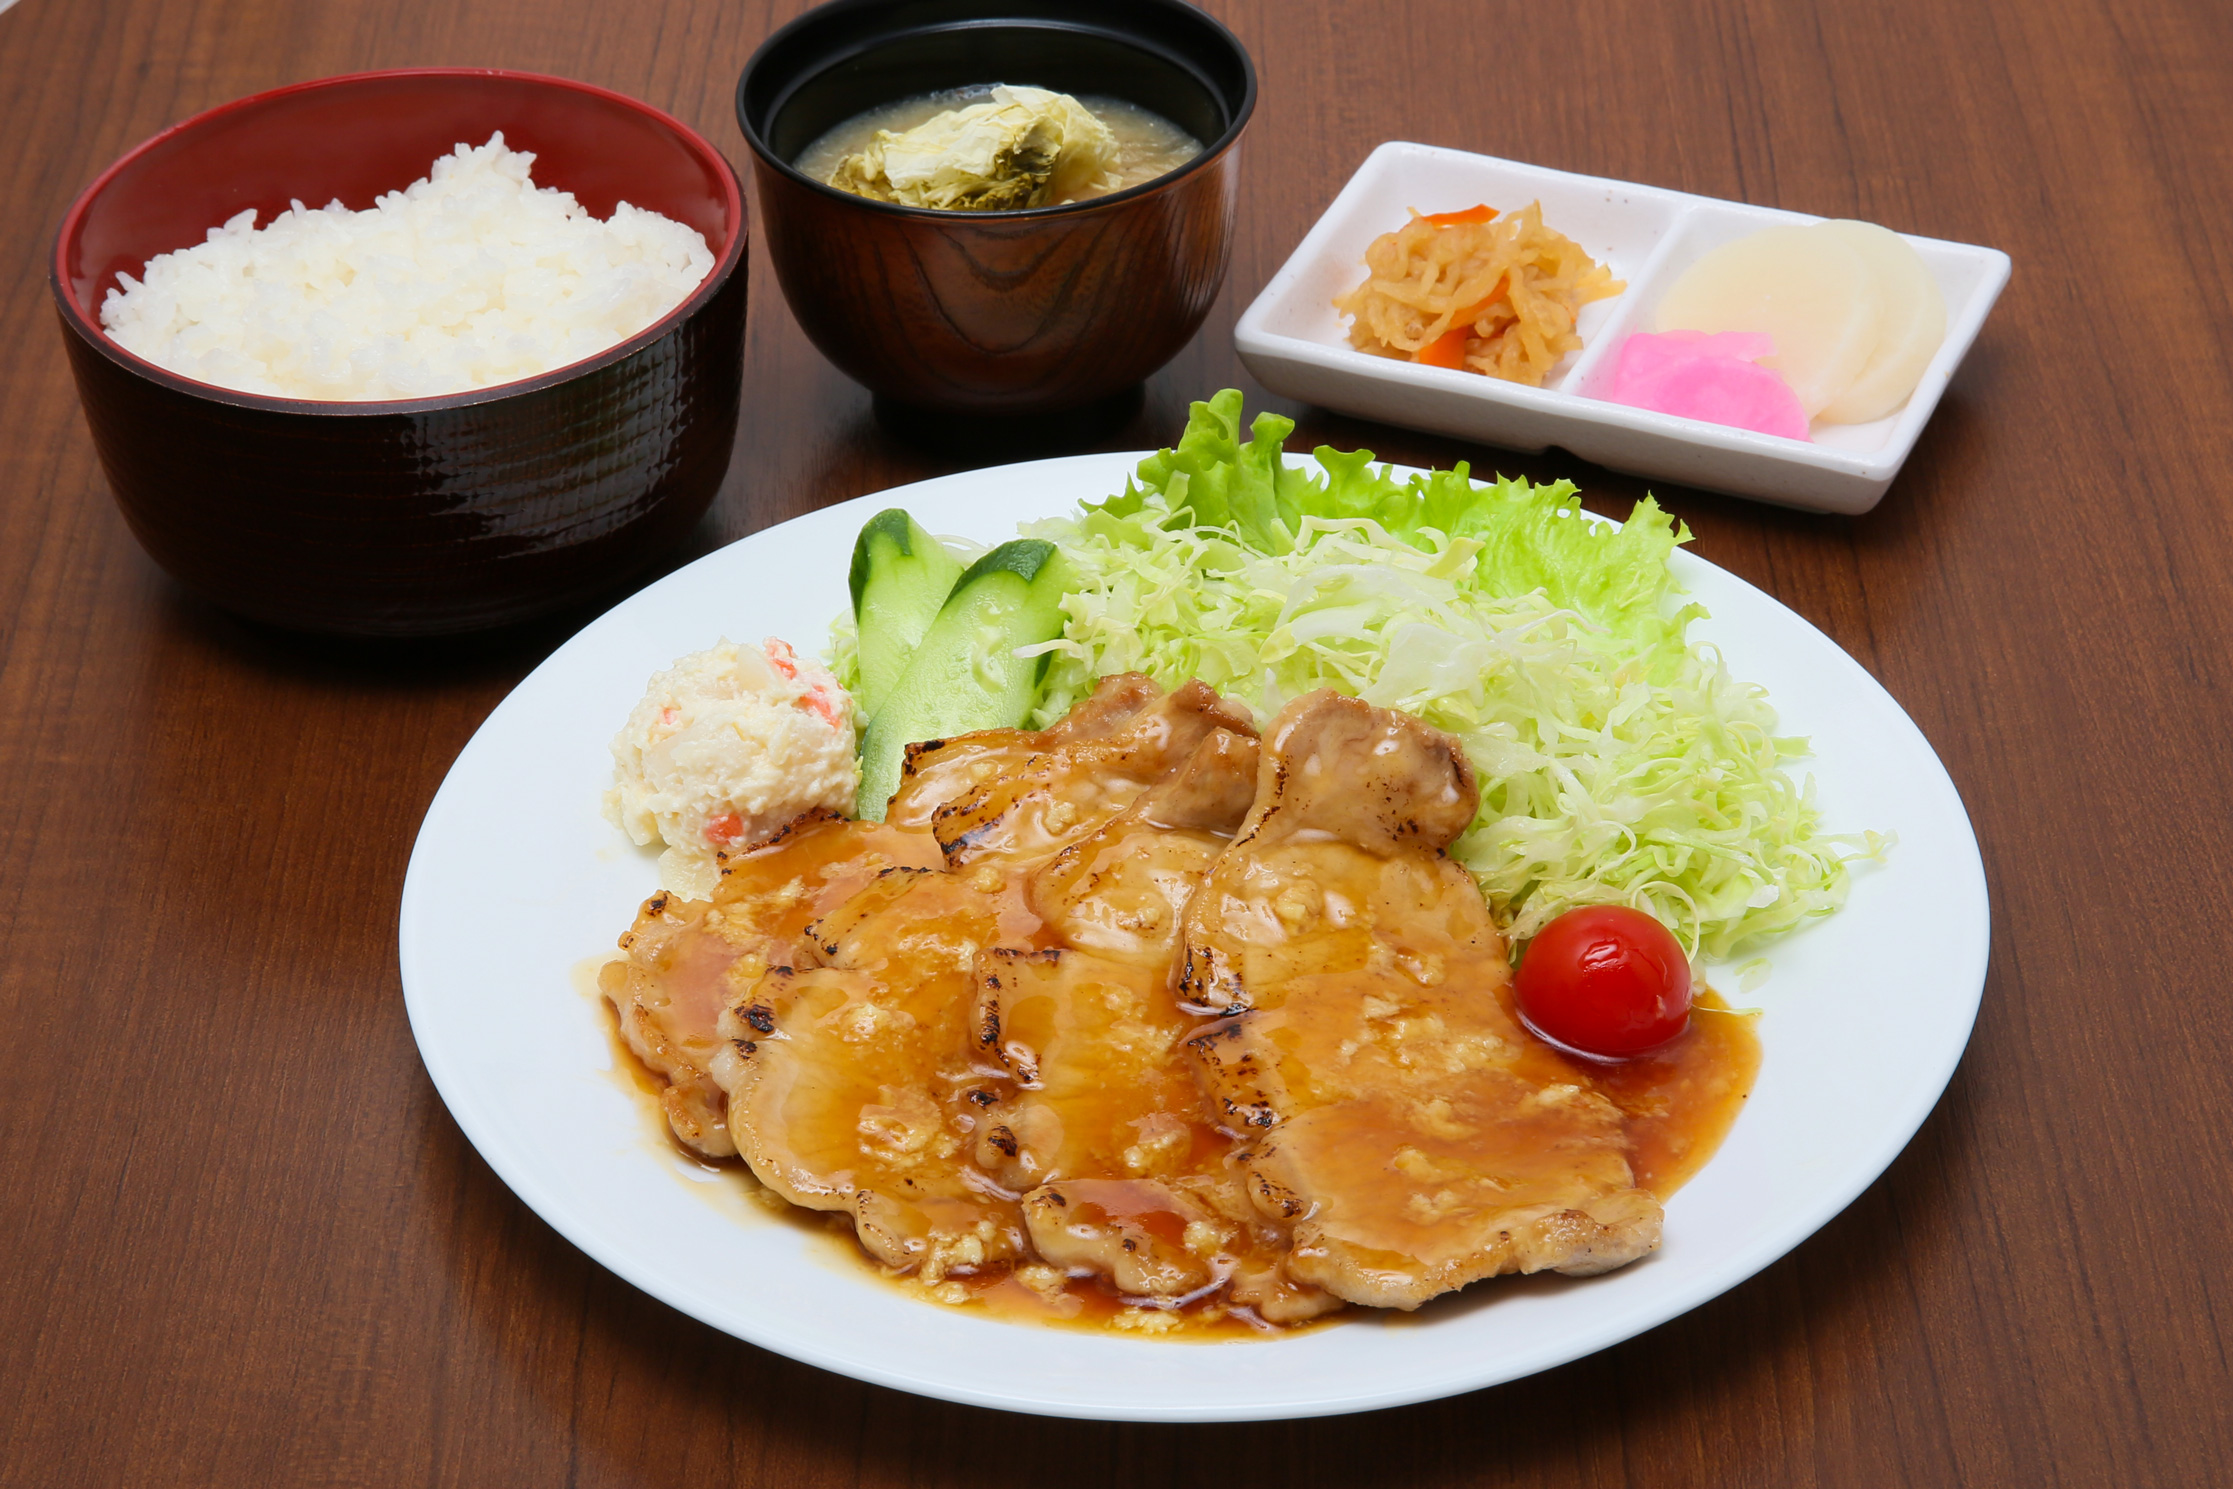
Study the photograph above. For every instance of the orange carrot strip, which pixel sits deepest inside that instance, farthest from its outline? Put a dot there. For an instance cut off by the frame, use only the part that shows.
(1448, 349)
(1482, 213)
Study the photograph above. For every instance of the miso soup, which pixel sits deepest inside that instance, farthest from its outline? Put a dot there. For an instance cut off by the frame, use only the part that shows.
(1147, 144)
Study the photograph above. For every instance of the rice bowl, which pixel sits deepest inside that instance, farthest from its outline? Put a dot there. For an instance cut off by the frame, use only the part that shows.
(411, 516)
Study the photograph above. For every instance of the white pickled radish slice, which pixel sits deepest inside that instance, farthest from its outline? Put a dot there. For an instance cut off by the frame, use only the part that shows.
(1808, 290)
(1914, 323)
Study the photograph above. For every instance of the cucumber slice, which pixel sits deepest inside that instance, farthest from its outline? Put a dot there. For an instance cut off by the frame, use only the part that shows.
(965, 675)
(901, 575)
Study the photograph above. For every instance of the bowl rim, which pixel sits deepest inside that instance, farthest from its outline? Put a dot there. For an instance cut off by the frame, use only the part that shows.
(1211, 149)
(89, 330)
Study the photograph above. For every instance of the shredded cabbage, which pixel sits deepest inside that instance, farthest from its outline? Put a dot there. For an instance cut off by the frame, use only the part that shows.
(1618, 762)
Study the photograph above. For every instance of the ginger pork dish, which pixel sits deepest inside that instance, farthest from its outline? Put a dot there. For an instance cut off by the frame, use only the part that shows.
(1180, 998)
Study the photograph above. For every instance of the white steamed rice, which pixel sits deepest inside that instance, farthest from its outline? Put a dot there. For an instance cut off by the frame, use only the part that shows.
(472, 277)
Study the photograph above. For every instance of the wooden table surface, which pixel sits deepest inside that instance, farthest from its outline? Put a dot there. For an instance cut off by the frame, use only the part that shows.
(242, 1241)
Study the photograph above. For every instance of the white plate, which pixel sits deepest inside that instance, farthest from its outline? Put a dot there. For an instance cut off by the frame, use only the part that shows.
(1294, 342)
(516, 879)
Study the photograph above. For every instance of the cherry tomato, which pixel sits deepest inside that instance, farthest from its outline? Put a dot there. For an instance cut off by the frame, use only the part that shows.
(1605, 980)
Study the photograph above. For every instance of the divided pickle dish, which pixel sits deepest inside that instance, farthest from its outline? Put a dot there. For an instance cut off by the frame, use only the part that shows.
(1296, 344)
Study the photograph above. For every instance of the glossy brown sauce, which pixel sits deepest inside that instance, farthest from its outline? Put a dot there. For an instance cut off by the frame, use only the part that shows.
(1679, 1103)
(1680, 1100)
(1077, 1302)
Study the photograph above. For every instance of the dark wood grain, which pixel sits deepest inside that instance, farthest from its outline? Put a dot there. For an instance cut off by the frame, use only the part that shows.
(242, 1242)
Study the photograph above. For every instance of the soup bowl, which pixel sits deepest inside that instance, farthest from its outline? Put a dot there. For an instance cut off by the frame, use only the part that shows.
(423, 516)
(1002, 314)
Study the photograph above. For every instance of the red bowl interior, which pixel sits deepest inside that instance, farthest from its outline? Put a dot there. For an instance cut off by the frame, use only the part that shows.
(359, 136)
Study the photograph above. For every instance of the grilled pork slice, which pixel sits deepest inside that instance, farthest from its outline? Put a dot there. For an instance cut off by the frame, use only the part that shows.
(1088, 1027)
(1399, 1119)
(1081, 777)
(853, 1086)
(1121, 890)
(1173, 1239)
(1102, 1089)
(1136, 1183)
(685, 958)
(938, 770)
(1148, 1238)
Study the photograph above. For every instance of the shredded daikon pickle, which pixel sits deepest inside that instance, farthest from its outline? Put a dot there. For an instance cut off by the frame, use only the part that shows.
(1495, 295)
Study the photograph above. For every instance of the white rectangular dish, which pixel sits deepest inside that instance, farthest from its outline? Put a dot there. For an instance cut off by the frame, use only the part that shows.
(1295, 344)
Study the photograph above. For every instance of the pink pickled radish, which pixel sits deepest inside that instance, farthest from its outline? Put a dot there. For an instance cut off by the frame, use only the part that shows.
(1714, 376)
(1649, 352)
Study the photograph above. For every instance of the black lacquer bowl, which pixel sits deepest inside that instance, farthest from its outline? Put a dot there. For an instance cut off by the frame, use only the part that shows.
(424, 516)
(998, 314)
